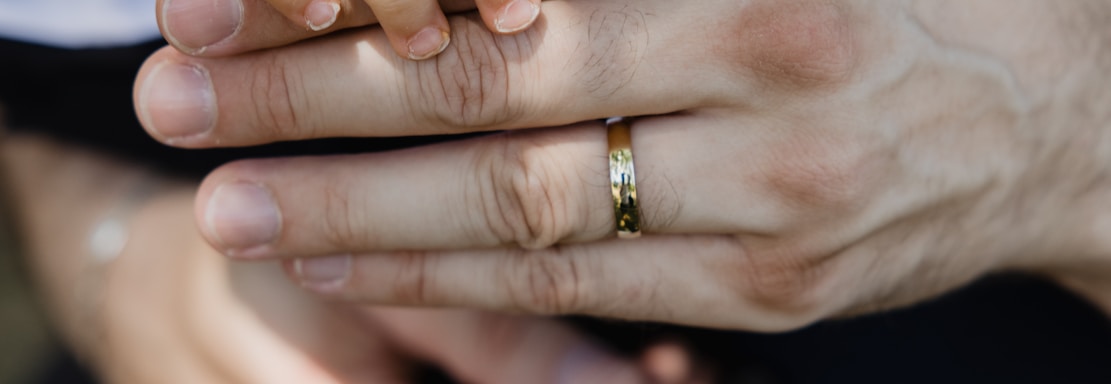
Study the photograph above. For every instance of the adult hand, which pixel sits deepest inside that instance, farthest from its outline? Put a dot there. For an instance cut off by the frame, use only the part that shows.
(169, 309)
(799, 159)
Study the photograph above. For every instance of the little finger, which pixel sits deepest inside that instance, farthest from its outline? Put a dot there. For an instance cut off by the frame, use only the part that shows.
(705, 281)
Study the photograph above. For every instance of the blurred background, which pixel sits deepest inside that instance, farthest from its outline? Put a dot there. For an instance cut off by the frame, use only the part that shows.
(38, 89)
(25, 343)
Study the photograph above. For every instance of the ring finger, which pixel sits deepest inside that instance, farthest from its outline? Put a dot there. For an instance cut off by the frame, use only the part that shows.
(529, 188)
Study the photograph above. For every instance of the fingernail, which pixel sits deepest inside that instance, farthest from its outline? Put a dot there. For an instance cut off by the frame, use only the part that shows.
(320, 15)
(323, 273)
(194, 25)
(427, 43)
(586, 363)
(242, 215)
(516, 15)
(178, 101)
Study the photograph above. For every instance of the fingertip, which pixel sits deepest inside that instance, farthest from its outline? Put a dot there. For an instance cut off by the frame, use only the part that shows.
(238, 211)
(323, 275)
(321, 14)
(192, 26)
(426, 43)
(511, 16)
(417, 30)
(242, 216)
(174, 98)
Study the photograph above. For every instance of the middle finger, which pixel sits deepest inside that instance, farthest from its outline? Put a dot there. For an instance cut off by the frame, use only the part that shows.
(545, 76)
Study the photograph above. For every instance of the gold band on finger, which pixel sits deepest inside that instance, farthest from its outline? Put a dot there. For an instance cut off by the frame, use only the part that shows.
(623, 178)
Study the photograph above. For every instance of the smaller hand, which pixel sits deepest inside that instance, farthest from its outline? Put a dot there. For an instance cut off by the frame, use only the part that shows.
(416, 29)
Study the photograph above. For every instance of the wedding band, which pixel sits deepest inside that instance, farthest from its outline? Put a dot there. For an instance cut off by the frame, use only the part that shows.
(623, 178)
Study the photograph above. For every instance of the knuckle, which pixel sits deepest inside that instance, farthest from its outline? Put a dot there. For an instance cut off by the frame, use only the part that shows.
(275, 95)
(545, 283)
(467, 86)
(819, 172)
(411, 284)
(343, 227)
(787, 284)
(799, 43)
(529, 191)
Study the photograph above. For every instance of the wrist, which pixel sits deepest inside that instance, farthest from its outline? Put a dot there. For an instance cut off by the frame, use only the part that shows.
(1070, 179)
(1083, 260)
(1088, 270)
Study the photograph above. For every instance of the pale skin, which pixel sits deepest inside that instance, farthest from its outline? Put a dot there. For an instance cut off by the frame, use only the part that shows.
(798, 160)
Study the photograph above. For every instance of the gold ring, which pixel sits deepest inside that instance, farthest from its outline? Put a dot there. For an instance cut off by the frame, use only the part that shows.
(623, 178)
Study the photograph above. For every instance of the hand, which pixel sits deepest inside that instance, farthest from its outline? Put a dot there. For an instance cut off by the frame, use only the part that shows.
(416, 29)
(169, 309)
(796, 160)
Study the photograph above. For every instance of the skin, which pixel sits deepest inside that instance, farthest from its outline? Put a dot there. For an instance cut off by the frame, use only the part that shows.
(241, 25)
(207, 319)
(404, 20)
(796, 160)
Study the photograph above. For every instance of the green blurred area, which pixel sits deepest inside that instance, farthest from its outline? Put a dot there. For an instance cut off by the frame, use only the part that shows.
(24, 336)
